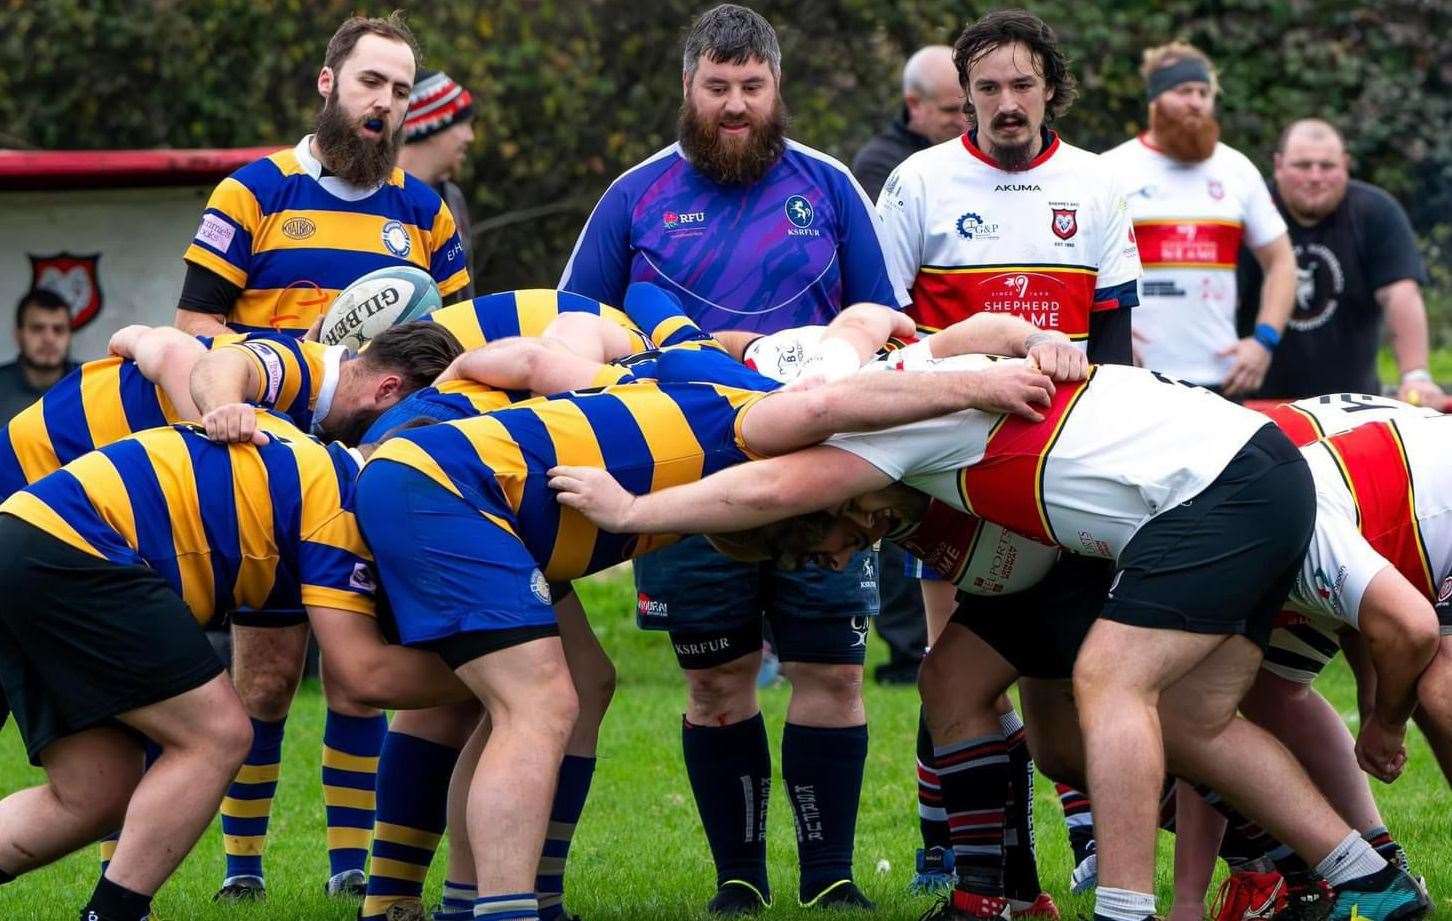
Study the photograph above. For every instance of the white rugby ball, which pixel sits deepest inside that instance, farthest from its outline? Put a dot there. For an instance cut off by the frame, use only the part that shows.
(395, 294)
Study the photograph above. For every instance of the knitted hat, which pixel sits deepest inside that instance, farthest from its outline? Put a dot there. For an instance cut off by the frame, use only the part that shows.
(435, 103)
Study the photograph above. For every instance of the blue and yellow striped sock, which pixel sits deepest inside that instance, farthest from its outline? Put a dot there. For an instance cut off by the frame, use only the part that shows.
(350, 769)
(413, 795)
(458, 902)
(517, 906)
(248, 803)
(570, 793)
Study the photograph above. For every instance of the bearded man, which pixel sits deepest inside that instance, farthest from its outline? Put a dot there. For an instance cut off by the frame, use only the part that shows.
(1194, 201)
(753, 231)
(278, 240)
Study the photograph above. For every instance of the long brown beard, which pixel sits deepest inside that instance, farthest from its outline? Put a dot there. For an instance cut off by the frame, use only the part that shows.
(728, 162)
(1190, 138)
(355, 159)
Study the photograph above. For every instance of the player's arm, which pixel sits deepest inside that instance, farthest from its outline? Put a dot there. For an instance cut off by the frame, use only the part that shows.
(1406, 327)
(372, 673)
(1004, 334)
(865, 328)
(165, 356)
(1401, 633)
(520, 363)
(221, 384)
(740, 497)
(206, 300)
(1252, 355)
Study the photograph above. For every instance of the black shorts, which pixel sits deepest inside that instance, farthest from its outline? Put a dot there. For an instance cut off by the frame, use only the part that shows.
(823, 641)
(1223, 562)
(83, 640)
(1039, 630)
(288, 618)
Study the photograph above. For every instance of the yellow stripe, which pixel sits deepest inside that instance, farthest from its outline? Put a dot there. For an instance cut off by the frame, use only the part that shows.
(378, 905)
(535, 309)
(996, 269)
(455, 282)
(27, 507)
(30, 440)
(576, 444)
(670, 326)
(1174, 221)
(397, 869)
(282, 308)
(347, 797)
(318, 482)
(108, 494)
(108, 849)
(211, 261)
(461, 320)
(607, 375)
(244, 845)
(350, 232)
(238, 202)
(403, 451)
(246, 808)
(1048, 448)
(402, 834)
(343, 761)
(167, 452)
(340, 836)
(498, 452)
(257, 773)
(257, 569)
(101, 401)
(675, 449)
(338, 599)
(286, 162)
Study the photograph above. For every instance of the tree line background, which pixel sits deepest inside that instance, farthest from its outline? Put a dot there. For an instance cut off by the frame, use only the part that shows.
(568, 94)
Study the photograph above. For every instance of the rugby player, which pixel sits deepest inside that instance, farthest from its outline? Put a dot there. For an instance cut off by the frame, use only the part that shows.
(1008, 217)
(1147, 491)
(154, 536)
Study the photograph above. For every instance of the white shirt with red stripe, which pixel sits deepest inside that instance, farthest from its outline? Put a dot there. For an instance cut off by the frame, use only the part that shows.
(1112, 453)
(1190, 219)
(1050, 243)
(1314, 418)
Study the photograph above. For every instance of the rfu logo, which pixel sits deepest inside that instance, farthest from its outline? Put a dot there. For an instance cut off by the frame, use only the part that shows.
(675, 219)
(799, 211)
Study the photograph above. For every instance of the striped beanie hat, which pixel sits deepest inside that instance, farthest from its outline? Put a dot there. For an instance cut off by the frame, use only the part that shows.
(435, 103)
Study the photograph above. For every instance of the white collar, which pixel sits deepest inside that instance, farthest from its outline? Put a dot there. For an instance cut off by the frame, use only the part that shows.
(333, 185)
(332, 364)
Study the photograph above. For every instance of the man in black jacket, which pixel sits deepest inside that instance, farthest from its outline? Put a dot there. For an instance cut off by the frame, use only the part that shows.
(932, 113)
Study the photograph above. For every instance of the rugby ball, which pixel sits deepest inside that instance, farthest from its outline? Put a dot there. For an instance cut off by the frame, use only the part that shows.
(395, 294)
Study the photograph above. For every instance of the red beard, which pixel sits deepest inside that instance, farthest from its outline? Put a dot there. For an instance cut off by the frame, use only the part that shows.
(1189, 138)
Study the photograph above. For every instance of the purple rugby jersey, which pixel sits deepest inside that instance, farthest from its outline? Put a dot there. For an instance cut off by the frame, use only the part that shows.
(789, 250)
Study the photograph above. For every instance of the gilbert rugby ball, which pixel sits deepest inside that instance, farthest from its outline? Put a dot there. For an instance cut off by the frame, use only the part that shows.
(376, 301)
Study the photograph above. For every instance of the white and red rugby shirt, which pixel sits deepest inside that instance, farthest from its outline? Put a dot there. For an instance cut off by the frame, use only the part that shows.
(1050, 243)
(1190, 219)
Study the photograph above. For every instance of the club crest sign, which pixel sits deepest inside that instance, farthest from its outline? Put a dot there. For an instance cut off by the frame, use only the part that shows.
(72, 277)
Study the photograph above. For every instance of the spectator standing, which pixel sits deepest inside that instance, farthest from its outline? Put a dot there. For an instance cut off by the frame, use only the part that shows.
(1357, 267)
(932, 112)
(436, 136)
(752, 231)
(43, 337)
(1194, 201)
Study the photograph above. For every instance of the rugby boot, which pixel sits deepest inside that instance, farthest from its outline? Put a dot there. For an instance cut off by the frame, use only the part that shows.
(962, 906)
(1307, 898)
(350, 884)
(1390, 894)
(241, 889)
(1041, 909)
(1085, 875)
(737, 897)
(934, 874)
(841, 894)
(1247, 895)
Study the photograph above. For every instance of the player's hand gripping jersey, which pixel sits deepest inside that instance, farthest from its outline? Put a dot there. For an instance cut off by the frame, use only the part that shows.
(1050, 243)
(103, 401)
(291, 238)
(1112, 452)
(228, 526)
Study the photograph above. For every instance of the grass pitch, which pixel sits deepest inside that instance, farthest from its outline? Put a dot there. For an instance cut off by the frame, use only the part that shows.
(639, 852)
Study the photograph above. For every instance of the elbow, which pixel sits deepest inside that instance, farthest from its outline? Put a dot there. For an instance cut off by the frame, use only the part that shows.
(347, 683)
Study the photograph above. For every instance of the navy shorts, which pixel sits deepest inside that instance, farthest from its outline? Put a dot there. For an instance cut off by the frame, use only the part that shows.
(452, 575)
(714, 606)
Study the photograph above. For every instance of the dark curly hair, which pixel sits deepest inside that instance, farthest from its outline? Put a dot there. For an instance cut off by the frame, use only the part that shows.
(1003, 27)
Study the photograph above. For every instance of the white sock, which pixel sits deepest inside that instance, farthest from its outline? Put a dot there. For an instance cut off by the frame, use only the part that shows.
(1010, 723)
(1123, 904)
(1352, 859)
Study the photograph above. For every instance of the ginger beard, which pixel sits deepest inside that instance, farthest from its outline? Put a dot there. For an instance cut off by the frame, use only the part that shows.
(361, 161)
(1189, 137)
(732, 160)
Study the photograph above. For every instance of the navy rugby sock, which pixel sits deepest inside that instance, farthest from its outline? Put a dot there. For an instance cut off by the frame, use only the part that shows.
(976, 787)
(730, 772)
(351, 745)
(570, 794)
(932, 820)
(117, 903)
(248, 803)
(822, 769)
(412, 798)
(1021, 868)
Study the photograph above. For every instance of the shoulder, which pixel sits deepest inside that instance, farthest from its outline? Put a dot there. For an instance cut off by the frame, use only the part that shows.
(642, 175)
(420, 196)
(824, 167)
(264, 177)
(1121, 153)
(1363, 197)
(1243, 165)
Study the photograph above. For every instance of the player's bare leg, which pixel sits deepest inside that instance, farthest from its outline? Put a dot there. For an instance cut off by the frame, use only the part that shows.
(1434, 709)
(532, 707)
(89, 778)
(1198, 830)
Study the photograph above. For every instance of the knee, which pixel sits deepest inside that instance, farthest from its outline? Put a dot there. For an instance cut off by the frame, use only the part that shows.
(229, 735)
(724, 693)
(266, 693)
(834, 686)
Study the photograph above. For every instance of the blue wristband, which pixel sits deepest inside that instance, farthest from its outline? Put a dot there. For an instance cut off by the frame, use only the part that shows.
(1267, 336)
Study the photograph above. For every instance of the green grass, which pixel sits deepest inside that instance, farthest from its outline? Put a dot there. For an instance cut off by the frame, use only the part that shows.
(639, 852)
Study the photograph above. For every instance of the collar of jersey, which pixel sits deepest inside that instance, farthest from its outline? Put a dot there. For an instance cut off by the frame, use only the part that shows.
(330, 183)
(1051, 146)
(332, 361)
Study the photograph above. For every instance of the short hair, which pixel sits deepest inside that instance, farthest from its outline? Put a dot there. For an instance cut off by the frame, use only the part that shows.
(393, 27)
(1316, 125)
(785, 543)
(1162, 56)
(419, 351)
(731, 34)
(912, 71)
(43, 298)
(1003, 27)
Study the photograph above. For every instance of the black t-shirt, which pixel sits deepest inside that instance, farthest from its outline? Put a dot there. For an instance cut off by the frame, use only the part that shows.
(1331, 342)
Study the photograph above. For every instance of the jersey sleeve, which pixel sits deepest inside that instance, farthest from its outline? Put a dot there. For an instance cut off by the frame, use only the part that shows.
(1263, 221)
(223, 240)
(1116, 285)
(1391, 246)
(334, 568)
(599, 267)
(861, 246)
(900, 209)
(283, 372)
(448, 259)
(918, 449)
(659, 314)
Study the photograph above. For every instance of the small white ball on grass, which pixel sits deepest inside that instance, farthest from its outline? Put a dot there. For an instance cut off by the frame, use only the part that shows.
(883, 866)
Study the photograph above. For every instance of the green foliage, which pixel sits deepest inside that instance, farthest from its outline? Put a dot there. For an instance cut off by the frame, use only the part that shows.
(572, 92)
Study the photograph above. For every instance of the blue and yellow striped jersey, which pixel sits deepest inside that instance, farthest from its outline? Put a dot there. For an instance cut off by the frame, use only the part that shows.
(647, 435)
(277, 230)
(229, 526)
(524, 313)
(103, 401)
(692, 361)
(660, 314)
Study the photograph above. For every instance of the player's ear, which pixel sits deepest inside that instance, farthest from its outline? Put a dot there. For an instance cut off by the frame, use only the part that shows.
(325, 82)
(388, 390)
